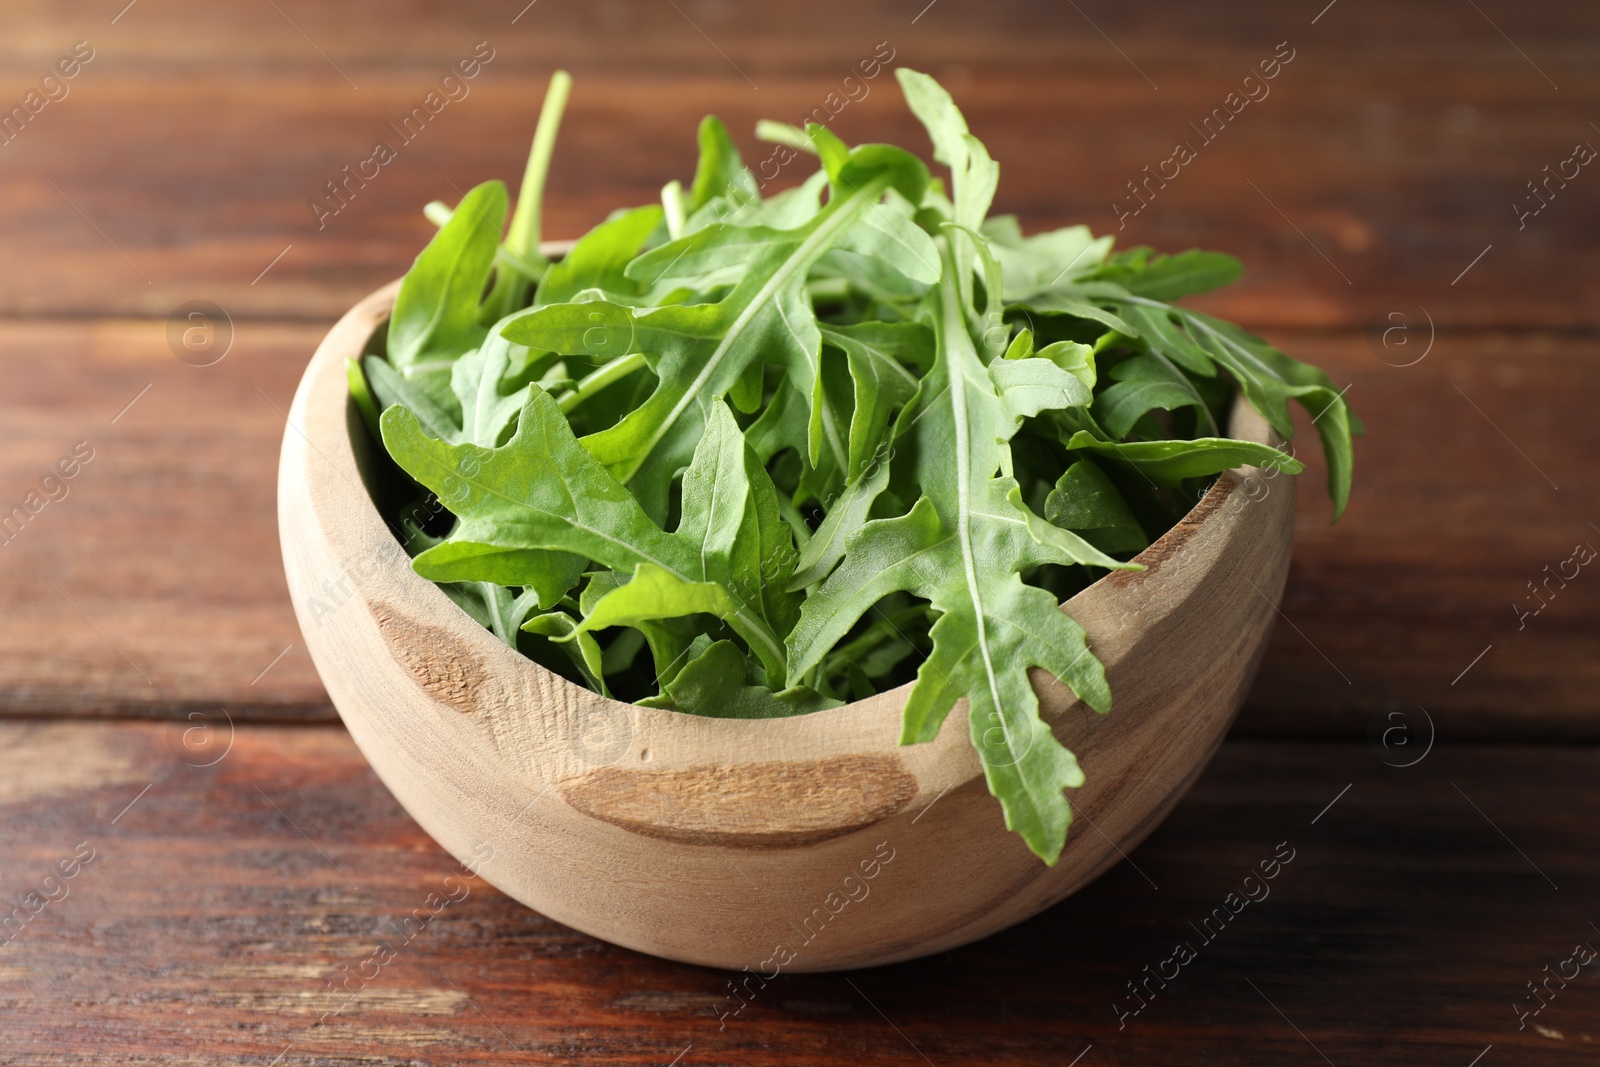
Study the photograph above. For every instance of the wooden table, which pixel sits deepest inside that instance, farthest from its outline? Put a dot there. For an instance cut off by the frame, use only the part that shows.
(225, 909)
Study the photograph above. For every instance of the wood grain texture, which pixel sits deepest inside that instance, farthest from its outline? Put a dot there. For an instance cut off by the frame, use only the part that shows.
(165, 540)
(1474, 480)
(1386, 157)
(665, 819)
(233, 905)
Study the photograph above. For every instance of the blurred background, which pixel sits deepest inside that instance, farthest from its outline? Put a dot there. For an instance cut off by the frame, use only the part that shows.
(1412, 196)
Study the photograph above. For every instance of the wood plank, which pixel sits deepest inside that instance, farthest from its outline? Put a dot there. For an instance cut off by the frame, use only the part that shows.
(155, 584)
(1474, 478)
(222, 911)
(1386, 158)
(167, 539)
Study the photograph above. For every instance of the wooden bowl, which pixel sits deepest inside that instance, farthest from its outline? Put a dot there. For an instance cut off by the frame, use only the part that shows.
(803, 844)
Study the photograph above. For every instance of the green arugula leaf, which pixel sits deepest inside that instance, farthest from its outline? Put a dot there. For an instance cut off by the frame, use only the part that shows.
(705, 349)
(783, 211)
(1164, 333)
(1073, 358)
(1170, 462)
(436, 310)
(1169, 278)
(1067, 302)
(542, 495)
(880, 355)
(1198, 343)
(1039, 263)
(672, 642)
(1087, 502)
(438, 410)
(361, 395)
(720, 174)
(1269, 379)
(1143, 383)
(961, 547)
(579, 645)
(974, 175)
(600, 258)
(846, 515)
(713, 684)
(479, 380)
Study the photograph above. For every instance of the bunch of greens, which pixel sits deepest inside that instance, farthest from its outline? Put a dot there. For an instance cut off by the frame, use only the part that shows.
(752, 457)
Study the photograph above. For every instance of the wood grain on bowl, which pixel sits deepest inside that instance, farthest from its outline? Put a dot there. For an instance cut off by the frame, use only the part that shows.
(775, 804)
(719, 841)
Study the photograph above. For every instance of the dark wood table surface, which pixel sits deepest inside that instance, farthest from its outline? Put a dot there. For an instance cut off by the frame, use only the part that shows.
(1426, 751)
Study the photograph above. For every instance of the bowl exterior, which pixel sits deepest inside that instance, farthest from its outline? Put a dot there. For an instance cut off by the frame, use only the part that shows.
(805, 844)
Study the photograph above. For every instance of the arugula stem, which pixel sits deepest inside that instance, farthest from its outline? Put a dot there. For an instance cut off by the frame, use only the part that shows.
(437, 212)
(783, 133)
(523, 236)
(823, 290)
(614, 371)
(497, 598)
(672, 207)
(519, 259)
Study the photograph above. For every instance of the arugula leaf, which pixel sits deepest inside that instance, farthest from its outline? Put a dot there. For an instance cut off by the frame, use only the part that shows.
(1198, 344)
(672, 642)
(1038, 263)
(880, 355)
(1074, 358)
(361, 395)
(579, 645)
(437, 409)
(1087, 502)
(481, 411)
(713, 684)
(974, 175)
(720, 174)
(524, 505)
(1170, 462)
(479, 380)
(600, 258)
(1142, 383)
(436, 310)
(1068, 302)
(846, 515)
(704, 349)
(961, 547)
(1270, 379)
(1169, 278)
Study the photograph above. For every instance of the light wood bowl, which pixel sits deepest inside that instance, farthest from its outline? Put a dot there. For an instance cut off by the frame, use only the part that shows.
(803, 844)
